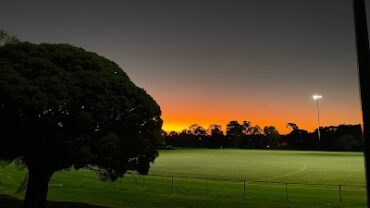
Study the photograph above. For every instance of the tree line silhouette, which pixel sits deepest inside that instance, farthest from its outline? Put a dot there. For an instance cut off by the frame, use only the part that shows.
(245, 135)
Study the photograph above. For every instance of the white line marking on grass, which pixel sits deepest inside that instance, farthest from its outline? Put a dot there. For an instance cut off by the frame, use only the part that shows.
(282, 176)
(265, 179)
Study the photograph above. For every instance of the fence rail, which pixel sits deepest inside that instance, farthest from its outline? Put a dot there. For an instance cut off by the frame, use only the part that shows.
(343, 195)
(246, 184)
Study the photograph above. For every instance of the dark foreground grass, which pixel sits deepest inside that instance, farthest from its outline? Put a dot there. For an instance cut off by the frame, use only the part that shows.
(147, 200)
(12, 202)
(190, 188)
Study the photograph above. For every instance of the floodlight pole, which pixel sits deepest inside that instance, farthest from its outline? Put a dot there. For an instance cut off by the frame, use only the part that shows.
(318, 121)
(317, 97)
(363, 56)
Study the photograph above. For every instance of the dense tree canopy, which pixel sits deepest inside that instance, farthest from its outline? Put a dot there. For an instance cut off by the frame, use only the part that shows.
(5, 38)
(234, 130)
(61, 106)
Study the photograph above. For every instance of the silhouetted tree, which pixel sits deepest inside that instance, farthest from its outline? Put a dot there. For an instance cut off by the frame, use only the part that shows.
(252, 136)
(297, 139)
(164, 135)
(216, 136)
(350, 137)
(249, 129)
(172, 138)
(293, 126)
(342, 137)
(197, 130)
(270, 130)
(63, 107)
(199, 135)
(271, 138)
(5, 38)
(234, 132)
(187, 139)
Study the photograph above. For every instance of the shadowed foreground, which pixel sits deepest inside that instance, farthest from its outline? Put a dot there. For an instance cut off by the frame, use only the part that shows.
(12, 202)
(190, 167)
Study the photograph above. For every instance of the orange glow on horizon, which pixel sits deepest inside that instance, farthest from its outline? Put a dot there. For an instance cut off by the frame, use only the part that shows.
(184, 108)
(179, 118)
(282, 127)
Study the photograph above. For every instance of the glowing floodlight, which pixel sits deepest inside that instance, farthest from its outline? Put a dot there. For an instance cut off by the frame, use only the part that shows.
(316, 97)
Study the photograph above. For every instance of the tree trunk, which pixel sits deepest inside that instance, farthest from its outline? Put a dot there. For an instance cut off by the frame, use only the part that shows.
(37, 187)
(363, 53)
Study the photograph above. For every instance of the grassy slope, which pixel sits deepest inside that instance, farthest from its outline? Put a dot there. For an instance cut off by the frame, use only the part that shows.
(322, 167)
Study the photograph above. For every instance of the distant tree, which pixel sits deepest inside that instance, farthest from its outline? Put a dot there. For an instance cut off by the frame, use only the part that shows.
(214, 129)
(172, 138)
(187, 139)
(251, 135)
(5, 38)
(62, 107)
(164, 135)
(173, 134)
(234, 132)
(293, 126)
(247, 125)
(342, 137)
(216, 136)
(198, 135)
(249, 129)
(348, 142)
(256, 130)
(300, 139)
(197, 130)
(350, 136)
(270, 130)
(272, 136)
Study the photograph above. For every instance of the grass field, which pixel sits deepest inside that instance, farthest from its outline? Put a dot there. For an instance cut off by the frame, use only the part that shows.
(196, 178)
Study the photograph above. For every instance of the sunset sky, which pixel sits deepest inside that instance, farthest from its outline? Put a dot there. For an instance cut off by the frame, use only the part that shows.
(214, 61)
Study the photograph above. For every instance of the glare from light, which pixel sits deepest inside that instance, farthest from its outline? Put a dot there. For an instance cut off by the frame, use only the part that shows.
(316, 97)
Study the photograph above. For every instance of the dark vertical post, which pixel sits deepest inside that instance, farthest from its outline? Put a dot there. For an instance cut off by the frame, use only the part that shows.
(286, 191)
(172, 184)
(362, 42)
(340, 193)
(244, 188)
(206, 185)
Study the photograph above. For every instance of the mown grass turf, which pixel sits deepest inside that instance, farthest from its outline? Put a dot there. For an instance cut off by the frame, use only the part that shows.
(197, 175)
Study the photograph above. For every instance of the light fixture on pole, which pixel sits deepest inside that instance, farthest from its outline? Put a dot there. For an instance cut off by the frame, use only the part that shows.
(317, 98)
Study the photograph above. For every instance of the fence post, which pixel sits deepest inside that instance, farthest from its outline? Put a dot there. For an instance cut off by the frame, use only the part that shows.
(172, 184)
(340, 193)
(286, 191)
(206, 185)
(244, 189)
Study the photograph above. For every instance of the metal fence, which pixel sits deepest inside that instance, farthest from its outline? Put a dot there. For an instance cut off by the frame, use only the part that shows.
(346, 195)
(244, 189)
